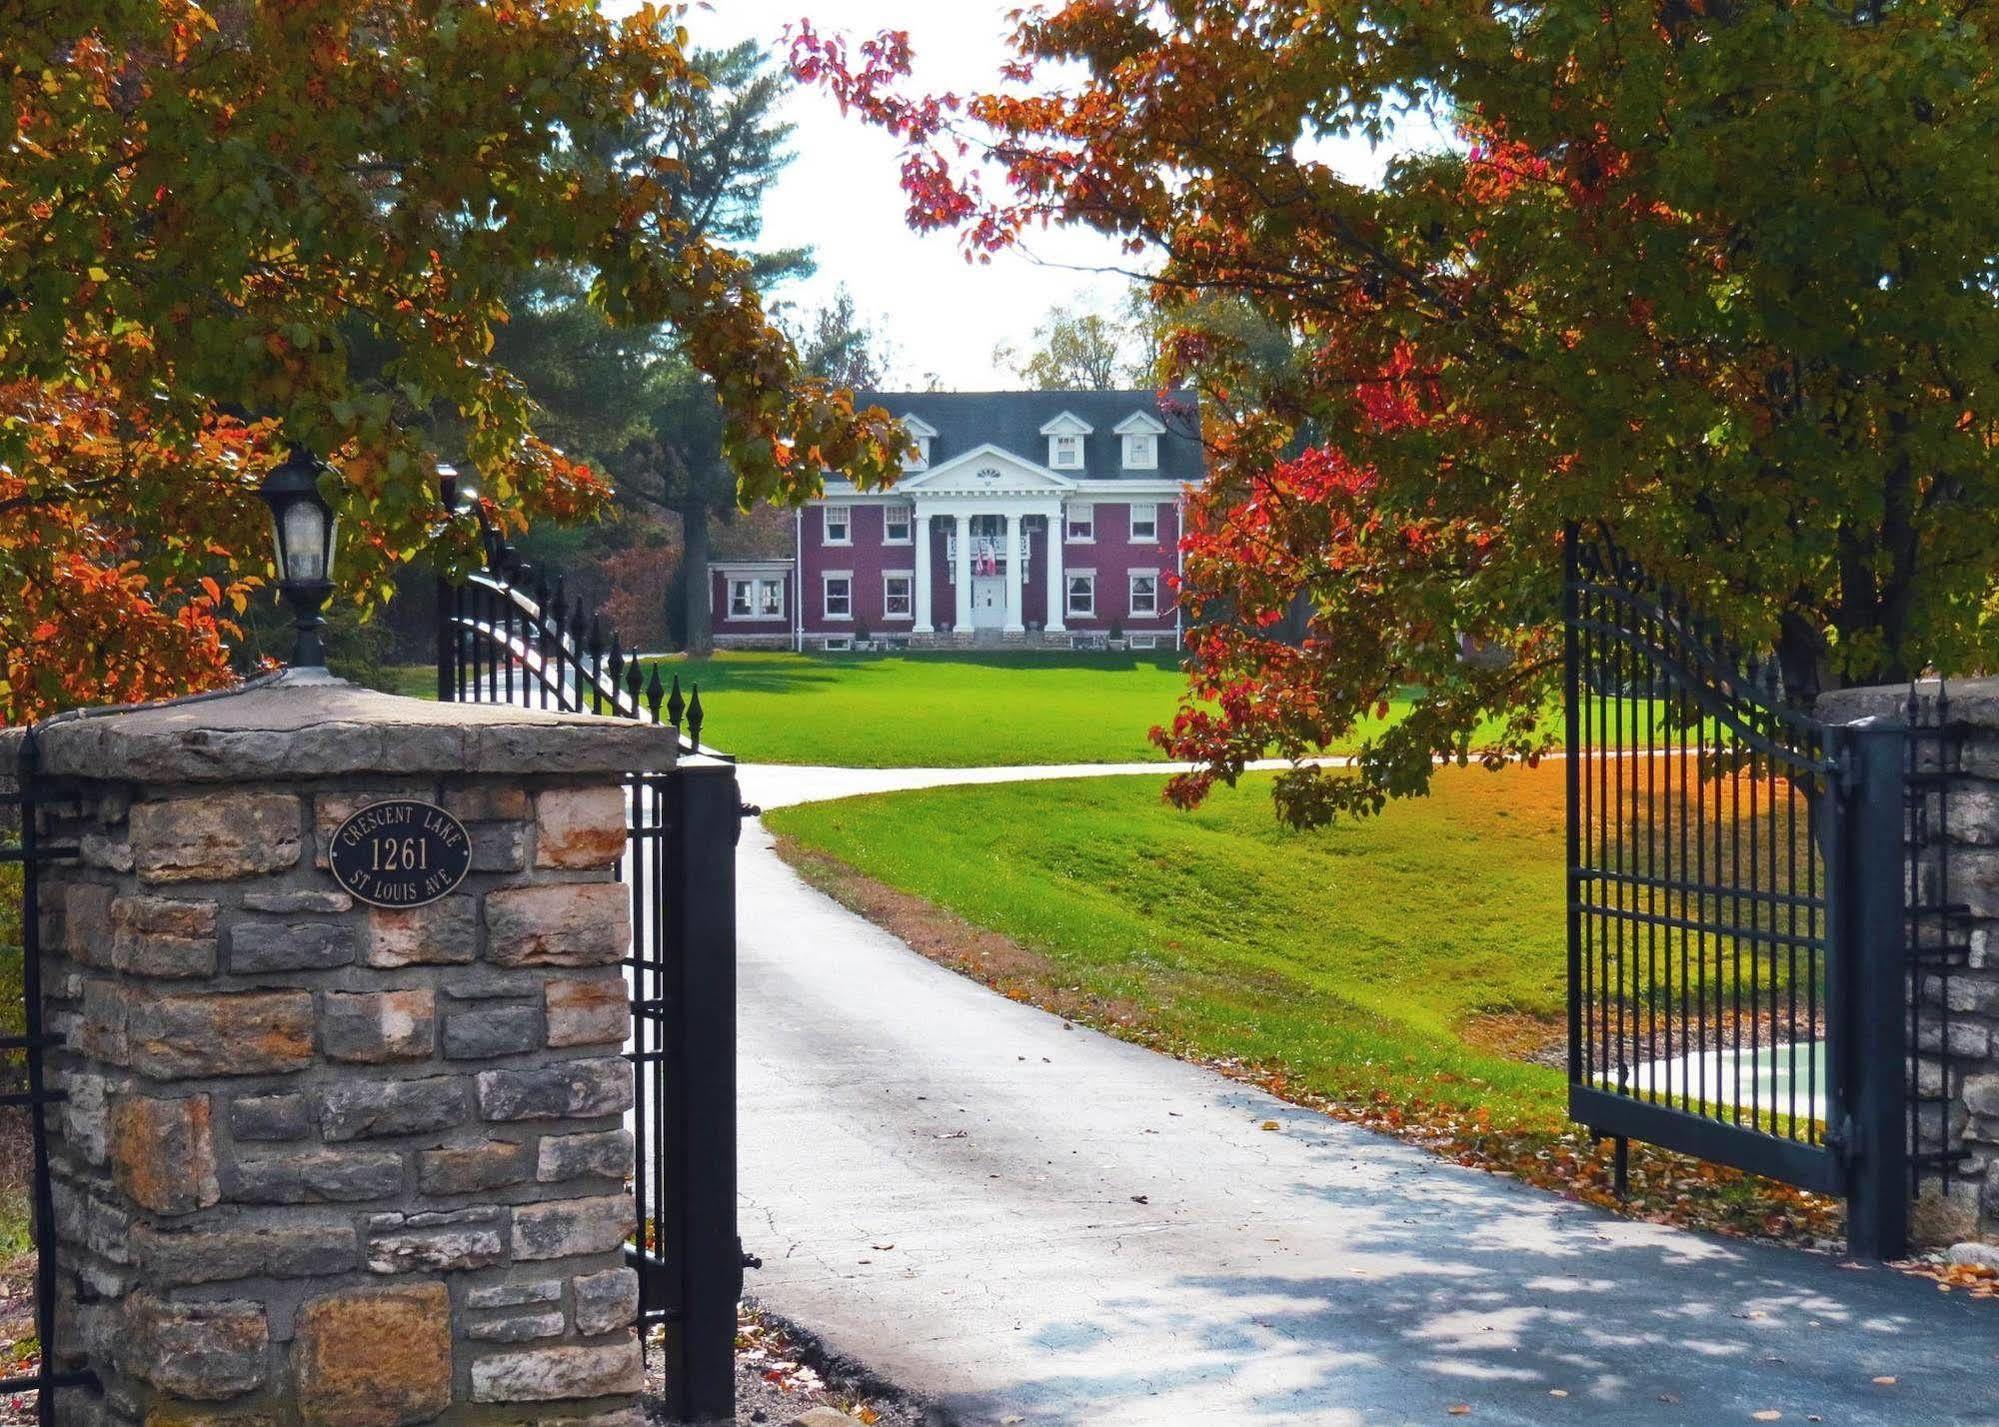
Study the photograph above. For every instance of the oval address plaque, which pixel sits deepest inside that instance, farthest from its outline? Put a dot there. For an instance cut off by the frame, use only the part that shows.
(400, 853)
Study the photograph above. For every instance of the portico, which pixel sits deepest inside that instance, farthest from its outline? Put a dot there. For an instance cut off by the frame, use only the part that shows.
(984, 501)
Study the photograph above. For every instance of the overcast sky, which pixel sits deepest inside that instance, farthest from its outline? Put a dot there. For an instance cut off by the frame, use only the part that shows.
(841, 197)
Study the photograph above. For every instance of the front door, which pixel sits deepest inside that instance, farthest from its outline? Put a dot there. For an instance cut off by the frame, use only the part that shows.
(989, 601)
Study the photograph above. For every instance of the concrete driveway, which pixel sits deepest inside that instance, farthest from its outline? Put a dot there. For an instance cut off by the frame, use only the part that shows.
(1032, 1223)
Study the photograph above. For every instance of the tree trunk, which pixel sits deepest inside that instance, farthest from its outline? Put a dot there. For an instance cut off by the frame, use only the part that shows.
(694, 580)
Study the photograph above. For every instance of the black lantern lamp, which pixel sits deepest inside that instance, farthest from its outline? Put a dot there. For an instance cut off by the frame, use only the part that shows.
(304, 527)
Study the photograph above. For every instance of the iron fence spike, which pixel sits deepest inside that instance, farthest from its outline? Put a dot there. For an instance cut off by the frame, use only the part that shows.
(676, 707)
(694, 718)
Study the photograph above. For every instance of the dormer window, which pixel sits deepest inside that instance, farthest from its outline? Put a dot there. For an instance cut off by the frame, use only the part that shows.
(1065, 441)
(920, 434)
(1141, 432)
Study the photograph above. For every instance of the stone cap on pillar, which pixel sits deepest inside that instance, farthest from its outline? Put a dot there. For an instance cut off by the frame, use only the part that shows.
(323, 728)
(1972, 701)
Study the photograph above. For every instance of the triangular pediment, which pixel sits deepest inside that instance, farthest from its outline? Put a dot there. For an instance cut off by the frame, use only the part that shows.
(985, 470)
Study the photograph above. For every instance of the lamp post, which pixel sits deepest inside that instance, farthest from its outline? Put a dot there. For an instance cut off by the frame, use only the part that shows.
(304, 527)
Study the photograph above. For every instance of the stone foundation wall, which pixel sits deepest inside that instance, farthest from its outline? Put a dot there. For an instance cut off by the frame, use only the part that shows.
(333, 1165)
(1963, 1008)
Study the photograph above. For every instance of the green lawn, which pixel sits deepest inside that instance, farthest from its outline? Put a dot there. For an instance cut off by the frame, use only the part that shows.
(944, 711)
(1356, 958)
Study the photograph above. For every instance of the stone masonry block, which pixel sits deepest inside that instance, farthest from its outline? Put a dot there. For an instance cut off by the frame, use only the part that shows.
(595, 1011)
(488, 802)
(445, 932)
(86, 1116)
(290, 903)
(270, 1117)
(371, 1109)
(517, 1327)
(102, 1030)
(375, 1027)
(553, 1374)
(86, 922)
(163, 1153)
(579, 827)
(217, 1255)
(488, 1032)
(208, 1351)
(607, 1155)
(560, 924)
(566, 1228)
(163, 936)
(329, 1176)
(253, 1033)
(215, 836)
(472, 1169)
(259, 946)
(572, 1089)
(436, 1243)
(374, 1357)
(499, 847)
(605, 1302)
(514, 1294)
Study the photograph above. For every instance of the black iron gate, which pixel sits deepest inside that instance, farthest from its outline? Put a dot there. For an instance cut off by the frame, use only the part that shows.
(510, 635)
(26, 1089)
(1737, 980)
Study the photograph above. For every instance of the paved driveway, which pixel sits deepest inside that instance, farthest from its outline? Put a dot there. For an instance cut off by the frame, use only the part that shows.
(1037, 1224)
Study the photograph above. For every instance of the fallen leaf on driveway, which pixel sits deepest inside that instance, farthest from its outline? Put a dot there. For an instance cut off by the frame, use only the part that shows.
(1460, 1410)
(1768, 1414)
(954, 1135)
(1268, 1125)
(1884, 1382)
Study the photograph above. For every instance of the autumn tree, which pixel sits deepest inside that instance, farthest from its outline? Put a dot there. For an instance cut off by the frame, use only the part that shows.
(199, 204)
(1072, 351)
(1719, 277)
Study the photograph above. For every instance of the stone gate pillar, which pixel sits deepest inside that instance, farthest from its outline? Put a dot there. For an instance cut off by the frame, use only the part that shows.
(323, 1162)
(1955, 982)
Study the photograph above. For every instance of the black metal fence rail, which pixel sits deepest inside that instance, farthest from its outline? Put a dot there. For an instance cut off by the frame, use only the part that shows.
(511, 635)
(29, 1090)
(1937, 938)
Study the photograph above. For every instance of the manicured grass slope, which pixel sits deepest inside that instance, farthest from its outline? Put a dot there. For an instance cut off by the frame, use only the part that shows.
(1354, 958)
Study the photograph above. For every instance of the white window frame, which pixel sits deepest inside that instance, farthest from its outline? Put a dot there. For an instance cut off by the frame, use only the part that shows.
(1152, 519)
(1069, 578)
(1132, 578)
(826, 578)
(908, 514)
(1141, 451)
(1065, 444)
(754, 588)
(908, 579)
(1069, 523)
(846, 523)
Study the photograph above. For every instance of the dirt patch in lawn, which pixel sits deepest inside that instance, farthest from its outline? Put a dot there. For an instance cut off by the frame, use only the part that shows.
(1015, 971)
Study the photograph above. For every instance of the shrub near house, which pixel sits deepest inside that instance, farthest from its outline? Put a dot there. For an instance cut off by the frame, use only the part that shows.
(1036, 519)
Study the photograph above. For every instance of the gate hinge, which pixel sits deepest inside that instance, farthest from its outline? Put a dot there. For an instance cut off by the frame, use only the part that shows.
(1839, 1140)
(749, 810)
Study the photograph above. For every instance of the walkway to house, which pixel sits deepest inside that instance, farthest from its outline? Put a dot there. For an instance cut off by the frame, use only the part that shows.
(1036, 1224)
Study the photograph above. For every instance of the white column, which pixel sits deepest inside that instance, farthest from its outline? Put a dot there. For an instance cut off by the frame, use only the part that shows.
(964, 567)
(1016, 562)
(919, 532)
(1057, 601)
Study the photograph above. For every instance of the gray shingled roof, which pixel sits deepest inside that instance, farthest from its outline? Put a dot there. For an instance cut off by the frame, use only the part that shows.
(1012, 420)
